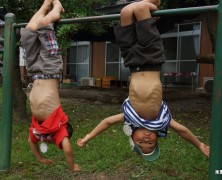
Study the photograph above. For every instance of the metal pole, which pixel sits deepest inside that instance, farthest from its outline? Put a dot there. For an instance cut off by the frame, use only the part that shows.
(215, 168)
(6, 121)
(180, 11)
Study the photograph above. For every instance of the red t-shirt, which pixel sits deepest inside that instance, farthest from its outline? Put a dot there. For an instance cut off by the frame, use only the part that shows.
(52, 130)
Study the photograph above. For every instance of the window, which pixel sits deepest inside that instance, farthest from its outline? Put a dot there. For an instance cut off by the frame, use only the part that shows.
(181, 47)
(114, 63)
(78, 61)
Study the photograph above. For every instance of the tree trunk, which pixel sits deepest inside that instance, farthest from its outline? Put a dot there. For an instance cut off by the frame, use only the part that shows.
(19, 96)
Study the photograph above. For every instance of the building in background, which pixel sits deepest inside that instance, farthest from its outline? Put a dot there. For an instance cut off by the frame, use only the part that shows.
(183, 40)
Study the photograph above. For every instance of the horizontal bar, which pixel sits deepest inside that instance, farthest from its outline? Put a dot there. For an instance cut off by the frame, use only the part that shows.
(81, 20)
(185, 11)
(179, 11)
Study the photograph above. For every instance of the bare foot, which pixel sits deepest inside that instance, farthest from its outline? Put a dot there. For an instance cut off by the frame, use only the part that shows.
(57, 4)
(36, 20)
(47, 4)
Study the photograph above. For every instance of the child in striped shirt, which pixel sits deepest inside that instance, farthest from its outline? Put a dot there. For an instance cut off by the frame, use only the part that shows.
(145, 116)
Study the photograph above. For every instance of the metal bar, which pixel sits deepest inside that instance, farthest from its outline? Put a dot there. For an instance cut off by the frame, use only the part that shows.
(179, 11)
(215, 167)
(185, 11)
(7, 101)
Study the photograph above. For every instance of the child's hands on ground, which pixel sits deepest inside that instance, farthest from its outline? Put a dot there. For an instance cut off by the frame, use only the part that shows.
(205, 149)
(45, 161)
(76, 168)
(82, 142)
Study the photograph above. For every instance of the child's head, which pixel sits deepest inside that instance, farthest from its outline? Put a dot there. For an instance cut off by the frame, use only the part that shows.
(145, 143)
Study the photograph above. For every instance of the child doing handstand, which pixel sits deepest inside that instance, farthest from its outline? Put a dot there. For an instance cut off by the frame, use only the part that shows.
(145, 116)
(44, 64)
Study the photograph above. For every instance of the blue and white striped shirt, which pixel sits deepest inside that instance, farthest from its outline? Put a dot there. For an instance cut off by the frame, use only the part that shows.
(159, 125)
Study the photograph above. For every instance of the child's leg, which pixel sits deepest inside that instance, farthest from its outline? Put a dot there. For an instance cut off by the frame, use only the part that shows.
(55, 14)
(127, 16)
(136, 12)
(38, 17)
(44, 17)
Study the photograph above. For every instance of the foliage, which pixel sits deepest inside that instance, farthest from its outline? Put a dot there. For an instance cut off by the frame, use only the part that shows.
(63, 35)
(82, 7)
(24, 9)
(166, 4)
(78, 9)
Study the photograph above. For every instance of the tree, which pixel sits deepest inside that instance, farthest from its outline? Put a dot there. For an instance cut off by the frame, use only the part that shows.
(19, 96)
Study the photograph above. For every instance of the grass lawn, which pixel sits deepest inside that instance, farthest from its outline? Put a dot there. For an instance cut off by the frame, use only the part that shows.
(109, 156)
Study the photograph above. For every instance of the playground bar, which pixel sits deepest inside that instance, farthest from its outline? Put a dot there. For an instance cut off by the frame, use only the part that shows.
(181, 11)
(215, 168)
(7, 105)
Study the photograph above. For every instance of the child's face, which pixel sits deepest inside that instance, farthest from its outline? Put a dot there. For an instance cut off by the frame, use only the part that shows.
(145, 139)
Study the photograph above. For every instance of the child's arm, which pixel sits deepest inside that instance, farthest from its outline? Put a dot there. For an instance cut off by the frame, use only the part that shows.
(102, 126)
(35, 149)
(186, 134)
(67, 148)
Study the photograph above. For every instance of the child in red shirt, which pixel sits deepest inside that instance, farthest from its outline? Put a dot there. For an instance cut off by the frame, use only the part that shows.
(44, 64)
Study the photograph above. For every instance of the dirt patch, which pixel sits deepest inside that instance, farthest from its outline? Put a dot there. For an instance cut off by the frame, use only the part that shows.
(181, 97)
(102, 176)
(107, 95)
(178, 100)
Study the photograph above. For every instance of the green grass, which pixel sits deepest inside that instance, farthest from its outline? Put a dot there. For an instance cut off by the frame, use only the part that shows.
(109, 154)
